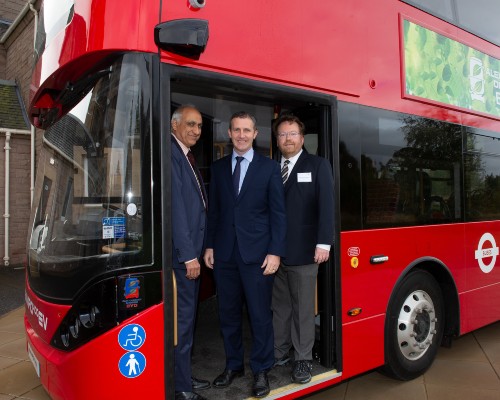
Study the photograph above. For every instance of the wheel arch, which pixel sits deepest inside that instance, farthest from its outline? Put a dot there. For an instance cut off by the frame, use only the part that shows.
(444, 278)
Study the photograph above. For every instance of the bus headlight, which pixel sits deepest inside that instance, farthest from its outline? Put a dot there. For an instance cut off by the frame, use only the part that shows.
(97, 310)
(93, 313)
(74, 328)
(88, 318)
(65, 338)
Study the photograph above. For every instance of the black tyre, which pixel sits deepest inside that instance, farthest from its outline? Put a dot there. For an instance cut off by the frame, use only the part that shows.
(414, 326)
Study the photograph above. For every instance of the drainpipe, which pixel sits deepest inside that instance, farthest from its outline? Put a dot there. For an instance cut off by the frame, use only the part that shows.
(35, 14)
(32, 183)
(6, 215)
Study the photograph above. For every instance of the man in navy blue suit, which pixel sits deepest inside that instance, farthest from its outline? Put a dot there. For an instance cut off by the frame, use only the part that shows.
(245, 240)
(308, 185)
(188, 234)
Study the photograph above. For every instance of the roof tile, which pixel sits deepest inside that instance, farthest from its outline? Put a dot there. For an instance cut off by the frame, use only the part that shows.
(12, 111)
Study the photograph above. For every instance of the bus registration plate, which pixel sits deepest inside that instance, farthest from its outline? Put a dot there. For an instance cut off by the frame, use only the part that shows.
(33, 359)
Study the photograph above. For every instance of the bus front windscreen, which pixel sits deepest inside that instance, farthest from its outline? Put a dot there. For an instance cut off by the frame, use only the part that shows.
(88, 214)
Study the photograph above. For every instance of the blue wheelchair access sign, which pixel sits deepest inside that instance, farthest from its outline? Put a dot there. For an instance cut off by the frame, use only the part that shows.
(131, 337)
(132, 364)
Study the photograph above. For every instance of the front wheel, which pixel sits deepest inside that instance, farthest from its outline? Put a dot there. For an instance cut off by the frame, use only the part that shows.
(414, 326)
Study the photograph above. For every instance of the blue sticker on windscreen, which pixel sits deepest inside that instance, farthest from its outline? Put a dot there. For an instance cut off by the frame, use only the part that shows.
(113, 227)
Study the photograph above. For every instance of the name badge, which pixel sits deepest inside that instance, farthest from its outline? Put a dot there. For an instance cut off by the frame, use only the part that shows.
(304, 177)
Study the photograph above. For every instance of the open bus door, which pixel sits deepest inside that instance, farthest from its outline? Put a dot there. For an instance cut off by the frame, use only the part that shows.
(320, 138)
(217, 97)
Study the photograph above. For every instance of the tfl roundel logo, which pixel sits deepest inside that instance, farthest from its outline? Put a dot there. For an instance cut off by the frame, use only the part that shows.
(485, 252)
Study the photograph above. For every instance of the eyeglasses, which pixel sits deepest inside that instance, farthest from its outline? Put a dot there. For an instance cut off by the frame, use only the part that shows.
(283, 135)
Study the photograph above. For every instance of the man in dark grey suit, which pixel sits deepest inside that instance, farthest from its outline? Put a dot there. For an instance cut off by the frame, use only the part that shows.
(188, 234)
(308, 185)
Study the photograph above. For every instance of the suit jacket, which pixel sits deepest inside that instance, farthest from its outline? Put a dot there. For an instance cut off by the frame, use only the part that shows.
(188, 210)
(309, 207)
(256, 218)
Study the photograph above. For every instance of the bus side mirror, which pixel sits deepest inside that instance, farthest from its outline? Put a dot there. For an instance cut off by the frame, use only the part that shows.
(185, 37)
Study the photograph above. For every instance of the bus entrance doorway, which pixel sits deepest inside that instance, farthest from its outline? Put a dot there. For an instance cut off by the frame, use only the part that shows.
(217, 101)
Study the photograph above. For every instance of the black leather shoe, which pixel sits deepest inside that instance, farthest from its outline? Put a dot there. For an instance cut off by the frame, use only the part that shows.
(188, 396)
(302, 371)
(260, 384)
(199, 384)
(225, 379)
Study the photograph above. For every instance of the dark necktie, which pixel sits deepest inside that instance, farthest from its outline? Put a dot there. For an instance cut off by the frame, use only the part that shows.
(284, 171)
(236, 175)
(197, 173)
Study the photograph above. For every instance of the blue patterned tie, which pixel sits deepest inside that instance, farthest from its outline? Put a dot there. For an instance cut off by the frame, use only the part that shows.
(236, 175)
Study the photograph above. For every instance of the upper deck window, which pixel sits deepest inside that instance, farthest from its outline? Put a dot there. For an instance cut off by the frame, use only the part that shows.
(477, 17)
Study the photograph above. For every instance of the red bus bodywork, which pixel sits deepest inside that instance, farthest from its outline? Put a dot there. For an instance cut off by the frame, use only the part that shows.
(340, 48)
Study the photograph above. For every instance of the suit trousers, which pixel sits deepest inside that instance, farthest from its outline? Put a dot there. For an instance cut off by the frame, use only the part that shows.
(238, 282)
(293, 310)
(187, 302)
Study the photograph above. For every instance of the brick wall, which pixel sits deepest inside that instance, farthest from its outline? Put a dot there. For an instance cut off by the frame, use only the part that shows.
(16, 63)
(3, 61)
(19, 63)
(9, 9)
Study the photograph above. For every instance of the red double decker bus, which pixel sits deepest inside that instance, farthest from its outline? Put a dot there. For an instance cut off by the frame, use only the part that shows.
(403, 99)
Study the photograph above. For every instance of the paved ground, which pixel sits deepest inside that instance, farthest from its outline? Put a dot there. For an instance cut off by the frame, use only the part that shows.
(11, 288)
(469, 370)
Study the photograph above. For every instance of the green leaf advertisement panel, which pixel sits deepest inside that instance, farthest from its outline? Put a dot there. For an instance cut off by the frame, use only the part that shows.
(443, 70)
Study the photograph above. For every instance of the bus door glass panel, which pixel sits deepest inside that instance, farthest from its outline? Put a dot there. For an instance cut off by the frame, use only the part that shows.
(409, 175)
(350, 173)
(93, 156)
(482, 176)
(482, 203)
(410, 170)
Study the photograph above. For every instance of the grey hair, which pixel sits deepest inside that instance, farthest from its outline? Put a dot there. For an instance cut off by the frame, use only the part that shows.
(177, 114)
